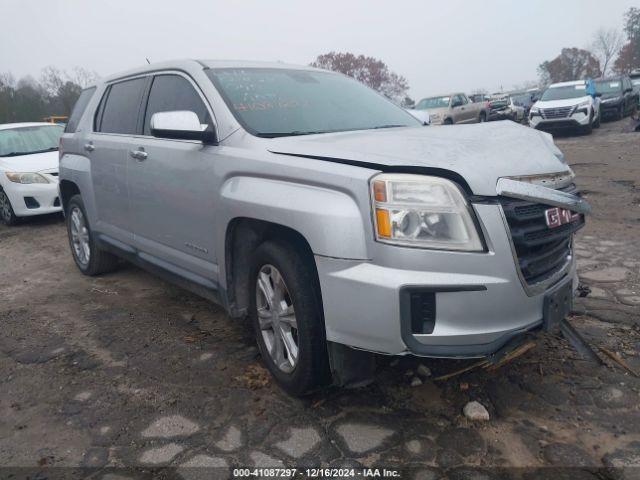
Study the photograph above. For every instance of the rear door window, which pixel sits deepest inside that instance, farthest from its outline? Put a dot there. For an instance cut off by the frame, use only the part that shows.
(170, 93)
(120, 113)
(78, 109)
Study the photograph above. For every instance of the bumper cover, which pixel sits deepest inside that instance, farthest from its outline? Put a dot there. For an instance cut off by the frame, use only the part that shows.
(481, 301)
(45, 194)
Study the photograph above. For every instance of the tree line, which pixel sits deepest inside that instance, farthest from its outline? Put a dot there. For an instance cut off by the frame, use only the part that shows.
(53, 93)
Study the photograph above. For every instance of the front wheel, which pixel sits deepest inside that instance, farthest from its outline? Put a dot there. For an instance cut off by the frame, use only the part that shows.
(7, 215)
(598, 121)
(286, 312)
(89, 257)
(448, 121)
(483, 117)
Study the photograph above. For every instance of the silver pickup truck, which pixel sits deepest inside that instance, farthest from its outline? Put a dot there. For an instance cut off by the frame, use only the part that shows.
(453, 108)
(330, 217)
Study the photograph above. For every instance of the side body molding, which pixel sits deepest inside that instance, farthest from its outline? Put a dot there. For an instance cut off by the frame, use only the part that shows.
(328, 219)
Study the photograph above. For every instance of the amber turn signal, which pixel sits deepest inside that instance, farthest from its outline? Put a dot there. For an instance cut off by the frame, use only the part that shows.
(383, 223)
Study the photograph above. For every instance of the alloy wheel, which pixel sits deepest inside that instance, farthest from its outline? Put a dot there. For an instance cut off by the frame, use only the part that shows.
(277, 318)
(79, 236)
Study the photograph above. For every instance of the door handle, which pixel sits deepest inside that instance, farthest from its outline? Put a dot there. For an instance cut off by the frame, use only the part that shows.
(139, 154)
(89, 147)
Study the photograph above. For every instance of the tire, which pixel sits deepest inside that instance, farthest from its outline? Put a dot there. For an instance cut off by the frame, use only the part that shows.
(482, 118)
(620, 114)
(448, 121)
(83, 244)
(7, 215)
(598, 121)
(281, 267)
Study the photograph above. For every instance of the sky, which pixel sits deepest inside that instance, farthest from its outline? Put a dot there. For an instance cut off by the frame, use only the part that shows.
(438, 46)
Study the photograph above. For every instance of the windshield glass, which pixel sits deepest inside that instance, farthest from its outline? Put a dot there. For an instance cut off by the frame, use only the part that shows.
(562, 93)
(433, 102)
(608, 86)
(275, 102)
(26, 140)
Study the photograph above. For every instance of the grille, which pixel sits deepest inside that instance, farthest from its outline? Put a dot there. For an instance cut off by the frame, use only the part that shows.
(541, 251)
(560, 112)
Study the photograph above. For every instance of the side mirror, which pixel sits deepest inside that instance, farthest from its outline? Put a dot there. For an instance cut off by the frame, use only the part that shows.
(181, 125)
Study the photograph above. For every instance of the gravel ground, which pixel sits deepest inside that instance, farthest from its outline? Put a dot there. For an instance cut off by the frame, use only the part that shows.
(125, 370)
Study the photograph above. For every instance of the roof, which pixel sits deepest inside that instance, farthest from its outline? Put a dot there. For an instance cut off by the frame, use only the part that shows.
(186, 63)
(567, 84)
(7, 126)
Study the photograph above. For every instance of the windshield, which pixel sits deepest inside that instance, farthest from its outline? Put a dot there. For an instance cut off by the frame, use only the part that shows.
(523, 100)
(26, 140)
(609, 86)
(275, 102)
(562, 93)
(636, 81)
(433, 102)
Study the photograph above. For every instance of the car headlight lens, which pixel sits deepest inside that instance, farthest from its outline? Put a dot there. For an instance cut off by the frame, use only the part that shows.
(17, 177)
(422, 211)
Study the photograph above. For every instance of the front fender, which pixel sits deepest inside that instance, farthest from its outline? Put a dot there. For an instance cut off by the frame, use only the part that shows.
(329, 220)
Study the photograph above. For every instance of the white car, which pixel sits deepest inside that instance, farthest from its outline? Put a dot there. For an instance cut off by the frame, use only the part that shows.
(28, 170)
(566, 105)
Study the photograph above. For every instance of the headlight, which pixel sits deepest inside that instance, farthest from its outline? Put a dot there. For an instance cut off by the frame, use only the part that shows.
(422, 211)
(534, 111)
(16, 177)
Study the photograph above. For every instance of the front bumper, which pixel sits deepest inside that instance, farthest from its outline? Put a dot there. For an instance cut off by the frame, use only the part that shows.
(33, 199)
(480, 300)
(610, 108)
(578, 119)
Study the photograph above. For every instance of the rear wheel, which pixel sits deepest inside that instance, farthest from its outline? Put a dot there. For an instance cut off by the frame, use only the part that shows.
(89, 257)
(7, 215)
(286, 312)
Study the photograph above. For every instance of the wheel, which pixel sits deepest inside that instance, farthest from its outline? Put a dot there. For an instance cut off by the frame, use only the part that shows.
(448, 121)
(286, 312)
(7, 216)
(598, 121)
(620, 114)
(89, 257)
(483, 117)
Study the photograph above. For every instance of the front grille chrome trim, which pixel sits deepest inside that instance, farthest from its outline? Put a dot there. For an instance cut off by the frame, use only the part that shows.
(533, 289)
(538, 194)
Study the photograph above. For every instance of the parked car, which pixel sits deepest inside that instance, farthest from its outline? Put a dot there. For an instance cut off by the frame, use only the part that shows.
(328, 215)
(525, 100)
(635, 81)
(567, 105)
(617, 96)
(28, 170)
(453, 108)
(503, 107)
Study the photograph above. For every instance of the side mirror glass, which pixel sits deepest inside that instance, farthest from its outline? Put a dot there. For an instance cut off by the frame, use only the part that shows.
(181, 125)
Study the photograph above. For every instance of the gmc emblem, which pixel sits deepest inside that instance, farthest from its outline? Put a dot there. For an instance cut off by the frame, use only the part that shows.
(559, 216)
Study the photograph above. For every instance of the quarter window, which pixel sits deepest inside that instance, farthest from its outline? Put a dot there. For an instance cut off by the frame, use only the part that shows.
(120, 113)
(170, 93)
(78, 109)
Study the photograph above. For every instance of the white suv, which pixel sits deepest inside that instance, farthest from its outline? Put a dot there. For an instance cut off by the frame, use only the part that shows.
(567, 105)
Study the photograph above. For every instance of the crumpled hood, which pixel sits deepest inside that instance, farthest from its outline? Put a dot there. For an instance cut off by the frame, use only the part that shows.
(480, 153)
(36, 162)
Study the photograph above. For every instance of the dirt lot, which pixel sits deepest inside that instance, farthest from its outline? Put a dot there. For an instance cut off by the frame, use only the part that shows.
(125, 370)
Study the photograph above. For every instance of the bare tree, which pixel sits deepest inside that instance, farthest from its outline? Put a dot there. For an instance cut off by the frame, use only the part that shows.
(571, 64)
(606, 45)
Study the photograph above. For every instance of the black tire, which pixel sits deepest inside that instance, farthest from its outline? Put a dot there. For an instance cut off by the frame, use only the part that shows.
(448, 121)
(483, 117)
(311, 370)
(100, 261)
(7, 215)
(620, 113)
(598, 121)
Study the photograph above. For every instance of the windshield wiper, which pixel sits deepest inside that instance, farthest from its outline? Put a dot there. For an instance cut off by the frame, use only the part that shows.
(17, 154)
(386, 126)
(290, 134)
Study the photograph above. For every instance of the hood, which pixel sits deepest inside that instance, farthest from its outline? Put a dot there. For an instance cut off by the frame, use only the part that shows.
(37, 162)
(436, 111)
(606, 96)
(566, 102)
(479, 153)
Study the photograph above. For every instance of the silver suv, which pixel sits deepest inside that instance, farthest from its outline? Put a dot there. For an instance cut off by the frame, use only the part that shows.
(333, 219)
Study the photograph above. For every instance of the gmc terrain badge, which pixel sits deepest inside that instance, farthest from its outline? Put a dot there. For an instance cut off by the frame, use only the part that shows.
(559, 216)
